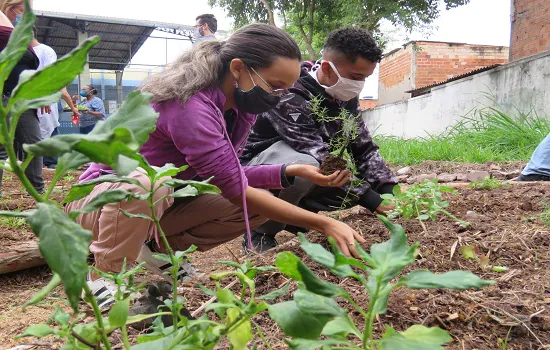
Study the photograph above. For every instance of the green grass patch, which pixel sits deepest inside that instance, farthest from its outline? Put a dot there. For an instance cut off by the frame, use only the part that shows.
(487, 135)
(488, 184)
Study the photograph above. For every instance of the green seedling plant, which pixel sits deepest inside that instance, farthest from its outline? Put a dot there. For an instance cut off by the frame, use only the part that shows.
(63, 243)
(421, 202)
(313, 312)
(472, 252)
(488, 183)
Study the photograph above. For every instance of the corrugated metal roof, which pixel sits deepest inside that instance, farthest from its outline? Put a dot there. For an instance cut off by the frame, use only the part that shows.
(426, 89)
(120, 38)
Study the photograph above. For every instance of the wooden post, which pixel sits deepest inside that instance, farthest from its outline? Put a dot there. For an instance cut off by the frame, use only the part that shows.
(21, 257)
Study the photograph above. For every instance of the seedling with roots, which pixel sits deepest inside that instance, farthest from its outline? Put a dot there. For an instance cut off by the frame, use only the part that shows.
(314, 312)
(349, 131)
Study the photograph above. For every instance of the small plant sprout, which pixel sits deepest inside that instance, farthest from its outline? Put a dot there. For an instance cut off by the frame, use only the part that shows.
(421, 202)
(488, 183)
(472, 252)
(314, 312)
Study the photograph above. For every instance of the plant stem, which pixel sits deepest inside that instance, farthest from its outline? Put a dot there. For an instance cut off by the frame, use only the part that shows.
(125, 337)
(55, 179)
(367, 335)
(175, 263)
(98, 316)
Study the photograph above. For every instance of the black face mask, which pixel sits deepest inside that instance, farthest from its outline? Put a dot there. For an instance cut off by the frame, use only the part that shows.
(255, 101)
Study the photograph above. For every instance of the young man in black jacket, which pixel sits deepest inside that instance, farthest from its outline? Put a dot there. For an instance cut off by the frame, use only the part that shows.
(291, 133)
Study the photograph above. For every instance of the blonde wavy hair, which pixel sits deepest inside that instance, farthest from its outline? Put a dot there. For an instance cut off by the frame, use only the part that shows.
(6, 5)
(207, 64)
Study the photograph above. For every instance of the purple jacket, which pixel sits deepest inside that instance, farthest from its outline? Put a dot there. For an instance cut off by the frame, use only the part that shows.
(195, 134)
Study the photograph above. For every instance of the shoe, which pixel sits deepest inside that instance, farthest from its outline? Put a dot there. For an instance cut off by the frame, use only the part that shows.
(260, 242)
(104, 290)
(51, 166)
(162, 268)
(533, 177)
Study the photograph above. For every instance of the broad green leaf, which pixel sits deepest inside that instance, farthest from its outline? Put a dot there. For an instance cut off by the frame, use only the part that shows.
(139, 216)
(61, 317)
(44, 292)
(381, 302)
(499, 268)
(118, 315)
(116, 149)
(18, 42)
(317, 305)
(135, 114)
(82, 189)
(22, 105)
(169, 170)
(295, 323)
(241, 335)
(305, 344)
(185, 192)
(38, 330)
(418, 339)
(341, 327)
(102, 199)
(427, 335)
(163, 257)
(56, 76)
(64, 246)
(391, 257)
(421, 279)
(467, 251)
(290, 265)
(276, 293)
(203, 187)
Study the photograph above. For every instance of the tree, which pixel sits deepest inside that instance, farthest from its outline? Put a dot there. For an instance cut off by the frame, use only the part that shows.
(309, 21)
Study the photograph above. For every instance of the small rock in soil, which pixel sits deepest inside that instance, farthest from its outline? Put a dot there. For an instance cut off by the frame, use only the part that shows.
(473, 216)
(421, 178)
(477, 175)
(446, 177)
(495, 167)
(411, 180)
(402, 178)
(461, 177)
(404, 171)
(503, 175)
(526, 206)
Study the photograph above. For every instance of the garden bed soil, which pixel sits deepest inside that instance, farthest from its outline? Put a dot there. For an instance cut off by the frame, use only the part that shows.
(505, 227)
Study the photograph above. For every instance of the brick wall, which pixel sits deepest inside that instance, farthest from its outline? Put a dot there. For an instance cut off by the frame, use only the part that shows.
(395, 75)
(530, 28)
(367, 104)
(437, 62)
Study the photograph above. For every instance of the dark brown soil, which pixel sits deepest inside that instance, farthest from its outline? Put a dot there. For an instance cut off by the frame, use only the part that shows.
(506, 229)
(332, 164)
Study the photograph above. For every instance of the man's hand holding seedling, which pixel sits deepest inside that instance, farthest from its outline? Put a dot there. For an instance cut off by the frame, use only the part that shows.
(312, 174)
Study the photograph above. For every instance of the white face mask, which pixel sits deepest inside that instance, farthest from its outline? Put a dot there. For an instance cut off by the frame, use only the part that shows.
(345, 89)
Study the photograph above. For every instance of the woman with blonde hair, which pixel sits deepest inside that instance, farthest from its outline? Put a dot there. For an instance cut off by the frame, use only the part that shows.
(28, 128)
(207, 101)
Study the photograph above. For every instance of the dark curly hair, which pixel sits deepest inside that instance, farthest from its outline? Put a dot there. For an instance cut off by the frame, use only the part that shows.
(352, 43)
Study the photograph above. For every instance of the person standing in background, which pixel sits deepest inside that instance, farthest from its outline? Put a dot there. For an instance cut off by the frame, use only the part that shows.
(49, 122)
(95, 110)
(28, 128)
(205, 28)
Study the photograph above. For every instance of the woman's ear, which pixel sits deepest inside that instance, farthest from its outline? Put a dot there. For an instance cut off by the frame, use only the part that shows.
(236, 68)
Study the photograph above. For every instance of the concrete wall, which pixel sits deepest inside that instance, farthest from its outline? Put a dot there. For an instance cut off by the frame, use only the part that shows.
(530, 28)
(522, 84)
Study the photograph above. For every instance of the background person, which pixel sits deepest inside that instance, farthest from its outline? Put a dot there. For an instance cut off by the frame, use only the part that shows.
(292, 134)
(205, 28)
(538, 168)
(206, 102)
(95, 109)
(28, 128)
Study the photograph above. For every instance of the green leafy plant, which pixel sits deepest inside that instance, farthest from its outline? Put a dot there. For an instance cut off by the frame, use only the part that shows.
(421, 202)
(472, 252)
(14, 223)
(349, 129)
(314, 312)
(488, 183)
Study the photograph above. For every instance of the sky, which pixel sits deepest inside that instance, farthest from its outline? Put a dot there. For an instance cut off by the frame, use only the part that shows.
(480, 22)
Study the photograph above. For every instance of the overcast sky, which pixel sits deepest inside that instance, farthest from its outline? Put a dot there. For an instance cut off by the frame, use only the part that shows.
(480, 22)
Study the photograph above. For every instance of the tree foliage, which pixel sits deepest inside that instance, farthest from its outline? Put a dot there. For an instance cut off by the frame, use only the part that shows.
(309, 21)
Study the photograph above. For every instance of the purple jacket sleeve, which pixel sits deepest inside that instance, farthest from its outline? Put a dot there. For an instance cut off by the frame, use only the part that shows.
(267, 177)
(197, 132)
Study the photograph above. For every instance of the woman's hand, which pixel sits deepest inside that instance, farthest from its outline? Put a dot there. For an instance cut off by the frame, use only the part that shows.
(76, 111)
(384, 209)
(344, 236)
(46, 109)
(312, 174)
